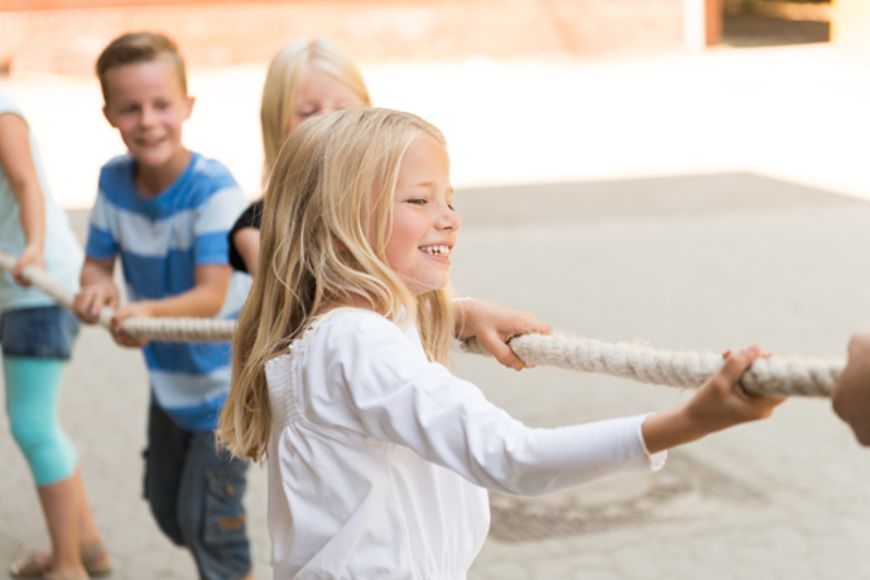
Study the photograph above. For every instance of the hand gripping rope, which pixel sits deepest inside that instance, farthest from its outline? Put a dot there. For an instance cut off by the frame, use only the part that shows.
(777, 375)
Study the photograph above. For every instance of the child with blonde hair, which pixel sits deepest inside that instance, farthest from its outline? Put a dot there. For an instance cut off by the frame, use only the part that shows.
(305, 79)
(379, 458)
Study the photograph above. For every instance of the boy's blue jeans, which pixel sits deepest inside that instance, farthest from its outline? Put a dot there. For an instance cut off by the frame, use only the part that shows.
(195, 493)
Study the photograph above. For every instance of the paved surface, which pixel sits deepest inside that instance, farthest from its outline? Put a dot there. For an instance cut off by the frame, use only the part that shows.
(741, 234)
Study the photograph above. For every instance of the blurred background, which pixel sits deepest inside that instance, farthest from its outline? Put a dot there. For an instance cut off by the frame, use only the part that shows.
(619, 88)
(692, 174)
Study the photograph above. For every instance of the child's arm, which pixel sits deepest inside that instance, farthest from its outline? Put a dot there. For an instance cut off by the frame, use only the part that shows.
(17, 164)
(392, 393)
(720, 403)
(245, 238)
(851, 397)
(493, 326)
(204, 300)
(247, 244)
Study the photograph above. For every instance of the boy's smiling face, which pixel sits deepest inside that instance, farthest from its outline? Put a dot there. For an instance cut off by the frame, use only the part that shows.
(147, 104)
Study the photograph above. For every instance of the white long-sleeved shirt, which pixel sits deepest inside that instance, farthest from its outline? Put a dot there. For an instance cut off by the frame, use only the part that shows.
(379, 460)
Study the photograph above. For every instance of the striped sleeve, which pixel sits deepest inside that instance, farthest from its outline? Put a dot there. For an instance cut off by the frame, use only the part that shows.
(101, 243)
(213, 221)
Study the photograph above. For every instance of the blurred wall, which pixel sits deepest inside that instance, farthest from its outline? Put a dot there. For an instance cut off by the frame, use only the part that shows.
(850, 26)
(65, 36)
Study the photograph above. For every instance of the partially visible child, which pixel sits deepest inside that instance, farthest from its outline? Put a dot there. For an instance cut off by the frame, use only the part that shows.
(37, 337)
(851, 397)
(165, 212)
(305, 79)
(379, 458)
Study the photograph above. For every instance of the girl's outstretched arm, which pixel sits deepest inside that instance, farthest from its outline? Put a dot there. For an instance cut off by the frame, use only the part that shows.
(720, 403)
(493, 325)
(365, 375)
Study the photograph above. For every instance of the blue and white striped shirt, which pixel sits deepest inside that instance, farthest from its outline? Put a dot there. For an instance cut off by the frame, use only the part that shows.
(161, 240)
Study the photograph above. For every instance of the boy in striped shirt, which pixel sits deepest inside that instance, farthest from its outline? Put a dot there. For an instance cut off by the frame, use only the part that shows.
(165, 211)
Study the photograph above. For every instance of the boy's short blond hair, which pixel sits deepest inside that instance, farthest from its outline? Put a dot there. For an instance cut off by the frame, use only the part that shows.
(136, 47)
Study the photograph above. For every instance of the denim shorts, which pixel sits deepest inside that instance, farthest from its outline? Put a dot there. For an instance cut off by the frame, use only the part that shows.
(40, 332)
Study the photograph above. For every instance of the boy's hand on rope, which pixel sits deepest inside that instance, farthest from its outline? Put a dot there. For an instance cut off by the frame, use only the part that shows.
(132, 310)
(493, 326)
(91, 299)
(31, 256)
(718, 404)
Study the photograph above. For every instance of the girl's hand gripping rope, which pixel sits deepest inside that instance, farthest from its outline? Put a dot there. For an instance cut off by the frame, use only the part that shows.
(493, 326)
(31, 256)
(718, 404)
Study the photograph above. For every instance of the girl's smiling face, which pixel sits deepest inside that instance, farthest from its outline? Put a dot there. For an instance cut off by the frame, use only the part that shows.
(425, 225)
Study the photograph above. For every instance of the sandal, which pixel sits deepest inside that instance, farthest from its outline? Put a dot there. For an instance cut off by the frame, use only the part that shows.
(95, 560)
(65, 576)
(35, 565)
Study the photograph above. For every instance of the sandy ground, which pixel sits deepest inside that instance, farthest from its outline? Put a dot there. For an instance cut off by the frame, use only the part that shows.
(690, 201)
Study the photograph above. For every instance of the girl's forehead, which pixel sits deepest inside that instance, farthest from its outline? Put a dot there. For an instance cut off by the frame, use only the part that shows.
(425, 161)
(318, 80)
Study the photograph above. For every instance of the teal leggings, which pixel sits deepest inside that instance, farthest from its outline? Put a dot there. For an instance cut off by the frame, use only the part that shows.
(32, 386)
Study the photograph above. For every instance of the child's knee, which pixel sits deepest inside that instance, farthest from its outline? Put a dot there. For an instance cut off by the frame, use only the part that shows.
(47, 450)
(32, 431)
(31, 401)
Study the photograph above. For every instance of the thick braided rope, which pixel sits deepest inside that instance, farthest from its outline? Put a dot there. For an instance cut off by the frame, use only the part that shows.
(169, 329)
(777, 375)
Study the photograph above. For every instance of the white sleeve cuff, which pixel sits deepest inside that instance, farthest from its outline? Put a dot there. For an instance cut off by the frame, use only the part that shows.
(656, 460)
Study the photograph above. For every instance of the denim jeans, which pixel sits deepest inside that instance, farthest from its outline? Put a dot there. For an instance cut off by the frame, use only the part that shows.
(195, 493)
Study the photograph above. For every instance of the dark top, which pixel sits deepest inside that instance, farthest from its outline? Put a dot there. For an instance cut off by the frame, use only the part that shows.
(250, 218)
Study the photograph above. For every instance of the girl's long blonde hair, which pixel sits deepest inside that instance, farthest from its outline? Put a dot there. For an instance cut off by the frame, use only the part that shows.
(282, 85)
(326, 222)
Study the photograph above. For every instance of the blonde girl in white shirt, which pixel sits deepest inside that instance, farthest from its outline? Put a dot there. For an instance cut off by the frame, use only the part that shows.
(379, 458)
